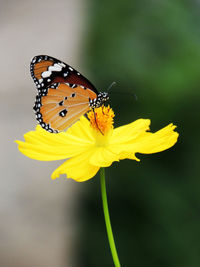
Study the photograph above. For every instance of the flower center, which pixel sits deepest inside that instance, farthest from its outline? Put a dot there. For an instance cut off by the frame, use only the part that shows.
(101, 119)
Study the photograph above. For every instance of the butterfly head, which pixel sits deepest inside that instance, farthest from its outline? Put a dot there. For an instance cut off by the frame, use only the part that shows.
(97, 102)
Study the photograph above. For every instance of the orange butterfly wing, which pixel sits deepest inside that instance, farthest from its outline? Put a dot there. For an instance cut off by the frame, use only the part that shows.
(46, 70)
(61, 105)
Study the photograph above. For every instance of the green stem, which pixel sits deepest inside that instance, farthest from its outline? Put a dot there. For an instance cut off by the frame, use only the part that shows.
(107, 219)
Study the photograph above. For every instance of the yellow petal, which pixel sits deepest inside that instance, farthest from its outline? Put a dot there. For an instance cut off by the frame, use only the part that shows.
(77, 168)
(134, 139)
(82, 129)
(158, 141)
(45, 153)
(130, 131)
(102, 157)
(41, 136)
(128, 155)
(42, 145)
(127, 135)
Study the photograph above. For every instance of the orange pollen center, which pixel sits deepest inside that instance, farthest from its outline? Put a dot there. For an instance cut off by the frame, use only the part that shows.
(101, 119)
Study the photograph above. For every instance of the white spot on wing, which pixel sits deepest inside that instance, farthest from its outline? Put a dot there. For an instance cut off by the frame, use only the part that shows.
(40, 80)
(46, 74)
(55, 67)
(62, 64)
(70, 68)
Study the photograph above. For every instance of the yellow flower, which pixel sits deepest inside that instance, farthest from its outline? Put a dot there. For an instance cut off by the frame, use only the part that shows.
(91, 144)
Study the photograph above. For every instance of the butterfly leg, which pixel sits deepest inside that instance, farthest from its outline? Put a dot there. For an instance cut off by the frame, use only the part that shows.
(95, 118)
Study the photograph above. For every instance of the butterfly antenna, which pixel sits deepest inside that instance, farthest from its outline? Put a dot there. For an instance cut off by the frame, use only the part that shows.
(117, 92)
(110, 86)
(126, 93)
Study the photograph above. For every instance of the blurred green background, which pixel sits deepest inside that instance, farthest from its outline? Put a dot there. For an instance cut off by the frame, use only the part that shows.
(151, 49)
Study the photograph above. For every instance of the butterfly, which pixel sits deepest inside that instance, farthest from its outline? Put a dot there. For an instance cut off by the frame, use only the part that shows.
(63, 94)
